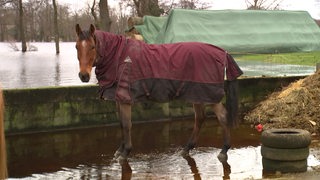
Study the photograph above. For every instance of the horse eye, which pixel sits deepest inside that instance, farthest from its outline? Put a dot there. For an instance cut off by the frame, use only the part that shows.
(93, 47)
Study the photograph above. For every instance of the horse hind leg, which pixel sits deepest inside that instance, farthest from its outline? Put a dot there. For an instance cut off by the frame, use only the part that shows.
(199, 110)
(221, 114)
(126, 124)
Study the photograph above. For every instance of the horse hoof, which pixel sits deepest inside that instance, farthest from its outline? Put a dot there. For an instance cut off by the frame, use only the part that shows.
(117, 154)
(121, 159)
(184, 153)
(222, 157)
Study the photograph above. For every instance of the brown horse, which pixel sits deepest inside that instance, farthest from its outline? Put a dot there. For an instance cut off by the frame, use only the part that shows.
(3, 155)
(130, 71)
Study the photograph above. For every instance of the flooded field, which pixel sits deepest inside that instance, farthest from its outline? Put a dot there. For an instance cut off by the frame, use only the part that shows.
(88, 154)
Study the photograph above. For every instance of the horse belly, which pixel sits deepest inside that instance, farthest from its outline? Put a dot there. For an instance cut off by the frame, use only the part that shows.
(164, 90)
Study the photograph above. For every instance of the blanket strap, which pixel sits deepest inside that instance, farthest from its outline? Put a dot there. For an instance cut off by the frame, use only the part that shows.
(180, 88)
(145, 89)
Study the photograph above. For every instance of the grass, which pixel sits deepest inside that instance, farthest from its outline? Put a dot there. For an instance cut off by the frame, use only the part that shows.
(301, 58)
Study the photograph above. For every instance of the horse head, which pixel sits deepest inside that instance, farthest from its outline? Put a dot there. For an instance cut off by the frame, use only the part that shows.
(86, 51)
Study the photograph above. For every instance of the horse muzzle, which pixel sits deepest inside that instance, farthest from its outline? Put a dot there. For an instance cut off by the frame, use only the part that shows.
(84, 77)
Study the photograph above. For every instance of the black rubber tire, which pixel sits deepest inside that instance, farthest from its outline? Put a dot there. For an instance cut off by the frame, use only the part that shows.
(284, 166)
(286, 138)
(284, 154)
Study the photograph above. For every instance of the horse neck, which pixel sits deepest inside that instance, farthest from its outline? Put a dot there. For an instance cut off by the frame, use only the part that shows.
(109, 46)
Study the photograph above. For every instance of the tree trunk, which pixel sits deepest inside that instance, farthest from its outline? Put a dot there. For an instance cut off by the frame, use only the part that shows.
(56, 28)
(147, 7)
(94, 14)
(22, 36)
(105, 22)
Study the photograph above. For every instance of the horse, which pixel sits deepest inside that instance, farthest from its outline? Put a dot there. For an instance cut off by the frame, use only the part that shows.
(130, 71)
(3, 155)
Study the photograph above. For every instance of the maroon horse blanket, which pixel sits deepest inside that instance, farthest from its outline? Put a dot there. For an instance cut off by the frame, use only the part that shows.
(132, 71)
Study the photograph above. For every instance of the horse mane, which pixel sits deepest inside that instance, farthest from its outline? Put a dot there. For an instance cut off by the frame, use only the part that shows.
(3, 155)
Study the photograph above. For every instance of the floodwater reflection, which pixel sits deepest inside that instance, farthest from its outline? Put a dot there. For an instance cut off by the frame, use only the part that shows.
(193, 166)
(88, 153)
(40, 68)
(126, 171)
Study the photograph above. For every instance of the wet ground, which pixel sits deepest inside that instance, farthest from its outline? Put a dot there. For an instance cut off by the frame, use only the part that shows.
(88, 154)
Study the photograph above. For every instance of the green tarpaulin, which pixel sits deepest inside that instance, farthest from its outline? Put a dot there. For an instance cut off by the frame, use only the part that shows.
(238, 31)
(151, 27)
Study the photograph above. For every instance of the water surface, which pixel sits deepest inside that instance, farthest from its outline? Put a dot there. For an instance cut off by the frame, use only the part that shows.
(88, 153)
(40, 68)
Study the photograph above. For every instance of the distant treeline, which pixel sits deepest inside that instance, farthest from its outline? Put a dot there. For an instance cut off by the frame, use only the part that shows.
(38, 20)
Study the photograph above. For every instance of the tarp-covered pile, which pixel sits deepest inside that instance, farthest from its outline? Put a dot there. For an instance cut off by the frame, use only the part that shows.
(151, 27)
(238, 31)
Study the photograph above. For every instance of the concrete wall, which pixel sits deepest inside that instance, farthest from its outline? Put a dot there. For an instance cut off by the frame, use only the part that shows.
(44, 109)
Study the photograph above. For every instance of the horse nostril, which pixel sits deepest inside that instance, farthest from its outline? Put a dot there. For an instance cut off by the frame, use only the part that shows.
(84, 77)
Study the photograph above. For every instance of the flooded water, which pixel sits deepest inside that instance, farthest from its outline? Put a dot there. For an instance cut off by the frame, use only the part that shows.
(252, 68)
(44, 68)
(39, 68)
(88, 153)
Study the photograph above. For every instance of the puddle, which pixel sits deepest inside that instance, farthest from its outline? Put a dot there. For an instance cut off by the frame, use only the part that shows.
(88, 154)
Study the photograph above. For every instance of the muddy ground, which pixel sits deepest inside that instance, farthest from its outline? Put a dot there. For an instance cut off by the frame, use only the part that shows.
(295, 106)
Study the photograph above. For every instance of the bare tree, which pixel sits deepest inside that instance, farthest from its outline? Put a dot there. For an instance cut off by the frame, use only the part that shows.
(4, 2)
(105, 21)
(263, 4)
(56, 27)
(193, 4)
(94, 14)
(22, 36)
(65, 23)
(167, 5)
(3, 23)
(34, 21)
(147, 7)
(119, 17)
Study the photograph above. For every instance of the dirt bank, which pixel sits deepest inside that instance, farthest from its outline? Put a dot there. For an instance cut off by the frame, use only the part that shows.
(296, 106)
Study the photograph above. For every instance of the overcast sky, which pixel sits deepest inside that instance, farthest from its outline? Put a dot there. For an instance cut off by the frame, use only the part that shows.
(307, 5)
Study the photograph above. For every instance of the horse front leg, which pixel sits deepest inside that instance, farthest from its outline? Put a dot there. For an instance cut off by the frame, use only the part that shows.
(199, 110)
(221, 114)
(124, 111)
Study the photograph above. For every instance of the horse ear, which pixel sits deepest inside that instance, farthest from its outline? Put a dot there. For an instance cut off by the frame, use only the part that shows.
(78, 29)
(92, 29)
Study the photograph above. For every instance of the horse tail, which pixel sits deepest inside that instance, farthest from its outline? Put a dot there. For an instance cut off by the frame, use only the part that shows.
(3, 155)
(233, 71)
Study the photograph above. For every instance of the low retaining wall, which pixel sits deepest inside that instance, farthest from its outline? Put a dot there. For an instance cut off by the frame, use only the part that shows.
(45, 109)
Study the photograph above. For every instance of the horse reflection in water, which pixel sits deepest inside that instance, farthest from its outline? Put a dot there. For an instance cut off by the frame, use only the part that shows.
(126, 171)
(195, 171)
(131, 71)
